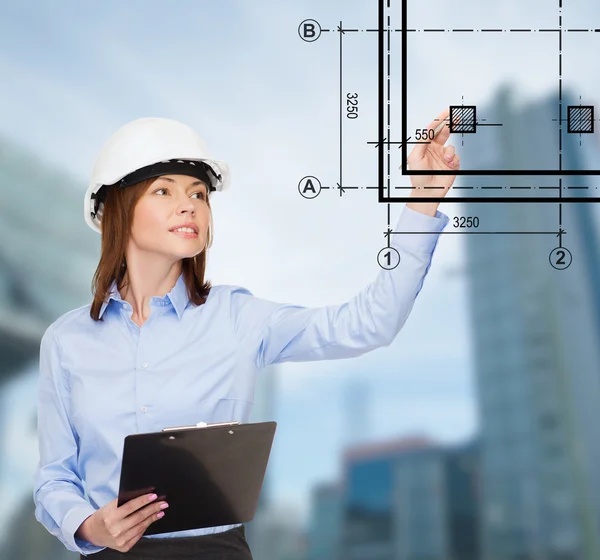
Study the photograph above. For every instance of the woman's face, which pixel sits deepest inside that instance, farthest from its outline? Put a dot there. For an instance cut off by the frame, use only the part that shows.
(170, 202)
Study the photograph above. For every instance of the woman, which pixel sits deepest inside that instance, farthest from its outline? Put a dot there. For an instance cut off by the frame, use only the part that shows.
(159, 346)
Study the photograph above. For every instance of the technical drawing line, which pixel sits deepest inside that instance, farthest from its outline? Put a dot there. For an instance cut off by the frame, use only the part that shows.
(578, 172)
(465, 30)
(388, 104)
(381, 116)
(522, 200)
(479, 232)
(560, 125)
(498, 30)
(582, 121)
(341, 107)
(459, 187)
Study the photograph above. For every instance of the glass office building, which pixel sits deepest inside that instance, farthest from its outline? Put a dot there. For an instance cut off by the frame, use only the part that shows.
(325, 522)
(409, 500)
(47, 259)
(537, 362)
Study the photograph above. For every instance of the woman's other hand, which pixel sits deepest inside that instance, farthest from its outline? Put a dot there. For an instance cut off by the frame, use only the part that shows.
(121, 527)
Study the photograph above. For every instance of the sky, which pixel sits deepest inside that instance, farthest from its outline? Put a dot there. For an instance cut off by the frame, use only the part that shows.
(268, 104)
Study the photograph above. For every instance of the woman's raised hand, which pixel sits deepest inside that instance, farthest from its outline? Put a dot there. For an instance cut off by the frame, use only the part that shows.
(433, 155)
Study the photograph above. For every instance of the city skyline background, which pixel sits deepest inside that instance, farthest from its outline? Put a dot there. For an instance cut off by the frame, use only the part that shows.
(267, 103)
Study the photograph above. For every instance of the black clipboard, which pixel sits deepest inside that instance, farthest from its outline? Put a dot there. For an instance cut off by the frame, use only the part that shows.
(211, 475)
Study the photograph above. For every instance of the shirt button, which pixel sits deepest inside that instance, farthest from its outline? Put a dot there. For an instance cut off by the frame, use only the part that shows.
(143, 409)
(144, 365)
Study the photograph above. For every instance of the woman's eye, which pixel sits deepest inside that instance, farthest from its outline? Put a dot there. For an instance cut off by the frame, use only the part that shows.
(202, 195)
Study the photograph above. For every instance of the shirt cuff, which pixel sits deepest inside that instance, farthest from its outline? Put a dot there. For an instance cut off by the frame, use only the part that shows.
(71, 523)
(425, 228)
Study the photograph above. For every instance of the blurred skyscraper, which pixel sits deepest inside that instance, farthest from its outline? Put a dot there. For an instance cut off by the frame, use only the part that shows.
(259, 531)
(536, 333)
(355, 407)
(46, 266)
(369, 528)
(462, 467)
(325, 520)
(264, 411)
(406, 499)
(40, 217)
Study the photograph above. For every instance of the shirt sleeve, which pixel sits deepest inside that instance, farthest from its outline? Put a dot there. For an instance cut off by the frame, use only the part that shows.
(282, 332)
(60, 505)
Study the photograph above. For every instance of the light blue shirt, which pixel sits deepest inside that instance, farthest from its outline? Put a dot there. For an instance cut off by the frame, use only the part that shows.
(100, 381)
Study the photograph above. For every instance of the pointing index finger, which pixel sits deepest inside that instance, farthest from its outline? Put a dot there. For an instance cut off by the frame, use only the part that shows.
(441, 133)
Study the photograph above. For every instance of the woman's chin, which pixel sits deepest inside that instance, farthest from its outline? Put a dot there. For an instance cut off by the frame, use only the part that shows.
(187, 255)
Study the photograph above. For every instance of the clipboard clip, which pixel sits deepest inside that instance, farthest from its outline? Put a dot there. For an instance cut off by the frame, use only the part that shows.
(200, 425)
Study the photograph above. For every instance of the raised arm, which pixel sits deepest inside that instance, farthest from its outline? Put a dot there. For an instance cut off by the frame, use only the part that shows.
(278, 332)
(274, 332)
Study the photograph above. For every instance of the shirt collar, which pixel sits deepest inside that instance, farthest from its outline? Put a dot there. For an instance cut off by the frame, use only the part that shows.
(178, 297)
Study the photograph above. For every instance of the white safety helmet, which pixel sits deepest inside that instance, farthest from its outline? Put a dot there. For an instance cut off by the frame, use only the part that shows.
(150, 147)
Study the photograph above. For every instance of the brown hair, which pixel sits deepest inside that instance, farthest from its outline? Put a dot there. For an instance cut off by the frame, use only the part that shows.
(117, 218)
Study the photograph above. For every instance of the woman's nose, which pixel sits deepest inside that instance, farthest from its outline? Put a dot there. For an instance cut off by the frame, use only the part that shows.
(186, 205)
